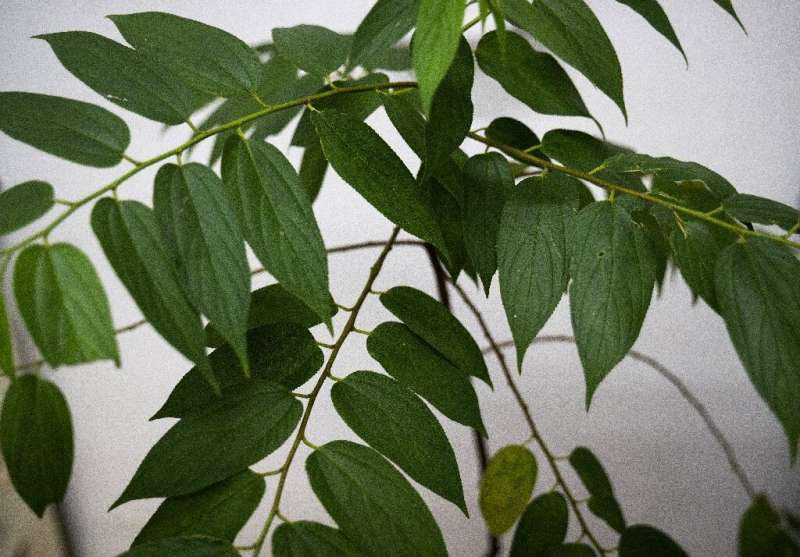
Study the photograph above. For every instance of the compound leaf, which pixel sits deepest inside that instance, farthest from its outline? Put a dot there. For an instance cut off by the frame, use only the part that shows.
(23, 204)
(506, 487)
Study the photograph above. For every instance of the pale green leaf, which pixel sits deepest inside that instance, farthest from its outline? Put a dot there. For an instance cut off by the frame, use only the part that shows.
(645, 541)
(752, 208)
(543, 526)
(387, 22)
(311, 539)
(506, 487)
(601, 495)
(312, 48)
(23, 204)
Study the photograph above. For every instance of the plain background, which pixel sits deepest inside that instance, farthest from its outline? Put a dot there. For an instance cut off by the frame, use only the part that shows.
(735, 109)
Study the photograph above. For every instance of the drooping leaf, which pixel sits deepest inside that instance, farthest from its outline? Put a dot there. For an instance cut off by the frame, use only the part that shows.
(197, 451)
(613, 274)
(514, 133)
(601, 495)
(63, 305)
(283, 353)
(396, 423)
(645, 541)
(433, 323)
(543, 526)
(73, 130)
(312, 48)
(218, 511)
(124, 76)
(312, 170)
(373, 504)
(386, 23)
(418, 366)
(23, 204)
(183, 546)
(761, 533)
(311, 539)
(36, 438)
(652, 11)
(727, 5)
(207, 58)
(506, 487)
(752, 208)
(759, 298)
(198, 222)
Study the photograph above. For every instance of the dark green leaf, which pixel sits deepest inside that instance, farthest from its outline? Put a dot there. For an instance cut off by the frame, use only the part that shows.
(727, 5)
(373, 504)
(386, 23)
(123, 76)
(36, 438)
(645, 541)
(197, 221)
(64, 306)
(534, 78)
(506, 487)
(197, 451)
(433, 322)
(759, 298)
(449, 215)
(512, 132)
(218, 511)
(601, 495)
(73, 130)
(415, 364)
(570, 550)
(312, 170)
(397, 59)
(284, 353)
(652, 11)
(761, 533)
(7, 364)
(752, 208)
(613, 273)
(183, 546)
(542, 526)
(310, 539)
(208, 58)
(312, 48)
(23, 204)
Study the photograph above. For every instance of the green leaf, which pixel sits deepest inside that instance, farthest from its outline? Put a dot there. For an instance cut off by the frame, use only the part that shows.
(761, 533)
(199, 224)
(759, 298)
(184, 546)
(312, 48)
(386, 23)
(645, 541)
(418, 366)
(310, 539)
(197, 451)
(73, 130)
(36, 438)
(396, 423)
(367, 163)
(123, 76)
(132, 242)
(752, 208)
(601, 495)
(532, 255)
(613, 273)
(207, 58)
(449, 215)
(283, 353)
(373, 504)
(427, 318)
(506, 487)
(652, 11)
(488, 181)
(572, 32)
(727, 5)
(7, 364)
(535, 78)
(23, 204)
(435, 44)
(218, 511)
(312, 170)
(570, 550)
(512, 132)
(396, 59)
(543, 526)
(64, 306)
(277, 221)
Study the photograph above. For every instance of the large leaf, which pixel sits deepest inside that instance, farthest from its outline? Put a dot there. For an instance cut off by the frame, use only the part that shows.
(312, 48)
(218, 511)
(373, 504)
(396, 423)
(386, 23)
(208, 58)
(613, 273)
(124, 76)
(752, 208)
(506, 487)
(64, 306)
(36, 438)
(276, 219)
(310, 539)
(601, 495)
(131, 239)
(432, 321)
(543, 526)
(645, 541)
(418, 366)
(73, 130)
(283, 353)
(197, 451)
(184, 546)
(652, 11)
(761, 533)
(759, 297)
(197, 221)
(23, 204)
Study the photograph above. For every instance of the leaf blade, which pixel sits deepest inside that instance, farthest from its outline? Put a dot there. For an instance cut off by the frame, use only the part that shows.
(23, 204)
(506, 487)
(542, 526)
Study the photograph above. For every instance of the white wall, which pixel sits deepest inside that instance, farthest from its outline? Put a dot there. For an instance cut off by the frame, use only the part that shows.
(736, 109)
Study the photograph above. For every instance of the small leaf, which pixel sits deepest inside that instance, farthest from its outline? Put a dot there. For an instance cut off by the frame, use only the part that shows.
(386, 23)
(418, 366)
(752, 208)
(73, 130)
(373, 504)
(36, 438)
(208, 58)
(513, 133)
(543, 526)
(433, 322)
(312, 48)
(506, 487)
(64, 306)
(23, 204)
(601, 495)
(761, 533)
(312, 170)
(197, 451)
(535, 78)
(183, 546)
(652, 11)
(727, 5)
(218, 511)
(759, 298)
(645, 541)
(310, 539)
